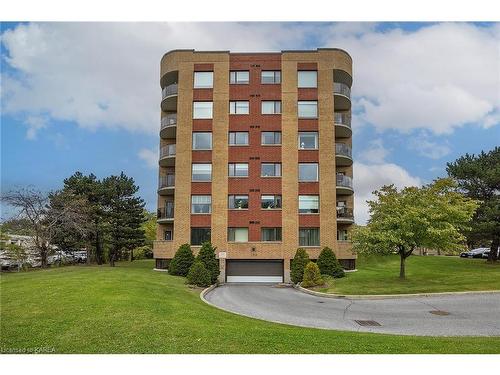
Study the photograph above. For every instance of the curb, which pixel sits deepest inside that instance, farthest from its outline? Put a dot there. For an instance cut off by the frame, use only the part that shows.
(160, 270)
(388, 296)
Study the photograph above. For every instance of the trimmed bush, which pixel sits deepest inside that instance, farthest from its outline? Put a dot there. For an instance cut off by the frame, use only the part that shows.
(299, 262)
(312, 276)
(328, 263)
(198, 275)
(211, 263)
(143, 252)
(182, 261)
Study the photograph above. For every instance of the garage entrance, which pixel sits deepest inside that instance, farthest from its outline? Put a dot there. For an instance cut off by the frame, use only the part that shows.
(254, 271)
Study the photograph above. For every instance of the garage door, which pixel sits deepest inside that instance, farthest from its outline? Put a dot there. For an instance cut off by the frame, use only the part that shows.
(254, 271)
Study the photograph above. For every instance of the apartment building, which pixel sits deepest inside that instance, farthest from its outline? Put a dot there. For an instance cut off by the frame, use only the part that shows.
(255, 156)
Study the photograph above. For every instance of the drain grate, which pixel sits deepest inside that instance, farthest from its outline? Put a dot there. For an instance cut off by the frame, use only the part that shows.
(439, 312)
(368, 323)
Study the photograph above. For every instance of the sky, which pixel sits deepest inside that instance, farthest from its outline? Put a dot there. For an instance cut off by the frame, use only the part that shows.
(85, 96)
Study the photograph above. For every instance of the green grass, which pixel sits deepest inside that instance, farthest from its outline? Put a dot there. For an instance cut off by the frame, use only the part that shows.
(380, 275)
(132, 309)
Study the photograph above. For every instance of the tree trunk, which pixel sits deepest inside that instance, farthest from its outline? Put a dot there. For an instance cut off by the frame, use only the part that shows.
(43, 257)
(112, 258)
(402, 273)
(131, 255)
(98, 249)
(493, 257)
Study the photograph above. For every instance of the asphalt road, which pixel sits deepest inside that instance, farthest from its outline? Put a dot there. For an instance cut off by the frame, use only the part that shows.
(466, 315)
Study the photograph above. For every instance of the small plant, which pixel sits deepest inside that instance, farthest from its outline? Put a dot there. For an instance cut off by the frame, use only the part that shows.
(198, 275)
(328, 263)
(182, 261)
(299, 262)
(312, 276)
(211, 263)
(143, 252)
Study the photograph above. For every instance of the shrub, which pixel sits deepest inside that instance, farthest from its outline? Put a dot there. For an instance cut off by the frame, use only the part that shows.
(211, 263)
(143, 252)
(328, 263)
(312, 276)
(182, 261)
(198, 275)
(298, 264)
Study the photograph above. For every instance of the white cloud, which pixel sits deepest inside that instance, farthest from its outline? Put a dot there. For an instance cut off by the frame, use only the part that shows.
(375, 153)
(150, 157)
(438, 77)
(370, 177)
(428, 148)
(34, 124)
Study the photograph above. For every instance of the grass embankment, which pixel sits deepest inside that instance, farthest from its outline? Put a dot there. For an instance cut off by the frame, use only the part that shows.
(132, 309)
(430, 274)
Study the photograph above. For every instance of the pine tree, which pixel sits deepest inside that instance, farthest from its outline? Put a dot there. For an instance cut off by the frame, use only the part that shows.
(207, 257)
(328, 263)
(312, 276)
(198, 275)
(182, 261)
(299, 262)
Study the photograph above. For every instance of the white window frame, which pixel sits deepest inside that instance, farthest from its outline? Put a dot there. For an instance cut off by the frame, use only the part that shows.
(234, 166)
(276, 77)
(234, 77)
(317, 172)
(210, 116)
(199, 197)
(304, 73)
(238, 144)
(302, 103)
(235, 107)
(234, 200)
(275, 199)
(201, 86)
(193, 170)
(308, 134)
(274, 138)
(276, 107)
(236, 229)
(199, 133)
(277, 169)
(306, 199)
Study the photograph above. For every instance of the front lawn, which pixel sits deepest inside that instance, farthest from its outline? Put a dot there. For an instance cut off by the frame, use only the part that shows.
(380, 275)
(133, 309)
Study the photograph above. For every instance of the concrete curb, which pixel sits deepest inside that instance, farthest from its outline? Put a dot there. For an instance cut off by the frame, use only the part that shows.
(388, 296)
(160, 270)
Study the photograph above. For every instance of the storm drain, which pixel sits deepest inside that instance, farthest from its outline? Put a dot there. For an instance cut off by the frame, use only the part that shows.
(368, 323)
(439, 312)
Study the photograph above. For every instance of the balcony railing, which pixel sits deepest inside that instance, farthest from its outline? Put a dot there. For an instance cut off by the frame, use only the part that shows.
(169, 90)
(169, 120)
(343, 118)
(344, 181)
(343, 150)
(345, 213)
(341, 89)
(166, 181)
(168, 150)
(166, 212)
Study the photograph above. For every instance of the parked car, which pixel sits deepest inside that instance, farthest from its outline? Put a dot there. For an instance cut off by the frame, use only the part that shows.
(486, 254)
(474, 253)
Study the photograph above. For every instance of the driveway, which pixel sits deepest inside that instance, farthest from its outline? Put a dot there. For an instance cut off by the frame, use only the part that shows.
(452, 315)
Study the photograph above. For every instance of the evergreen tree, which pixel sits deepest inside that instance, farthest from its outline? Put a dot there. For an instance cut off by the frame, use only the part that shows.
(198, 275)
(312, 276)
(182, 261)
(328, 263)
(207, 257)
(299, 262)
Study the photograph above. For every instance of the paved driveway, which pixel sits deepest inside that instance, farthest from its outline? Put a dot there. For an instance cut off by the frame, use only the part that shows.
(467, 315)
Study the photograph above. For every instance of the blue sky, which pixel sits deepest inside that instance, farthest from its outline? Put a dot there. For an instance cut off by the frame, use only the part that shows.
(85, 96)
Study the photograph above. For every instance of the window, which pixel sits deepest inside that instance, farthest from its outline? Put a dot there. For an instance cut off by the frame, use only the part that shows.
(342, 235)
(309, 237)
(270, 201)
(270, 170)
(202, 141)
(203, 80)
(308, 140)
(308, 109)
(237, 234)
(308, 204)
(200, 235)
(307, 79)
(167, 235)
(238, 202)
(238, 169)
(270, 76)
(270, 234)
(239, 108)
(270, 107)
(239, 77)
(238, 138)
(201, 204)
(271, 138)
(202, 172)
(202, 110)
(308, 171)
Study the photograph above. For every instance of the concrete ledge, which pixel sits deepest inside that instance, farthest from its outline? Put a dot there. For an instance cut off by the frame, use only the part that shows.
(388, 296)
(160, 270)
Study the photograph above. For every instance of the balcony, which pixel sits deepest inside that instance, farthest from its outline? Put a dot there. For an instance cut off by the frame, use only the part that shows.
(168, 127)
(343, 155)
(165, 214)
(342, 121)
(344, 185)
(167, 156)
(169, 97)
(166, 184)
(341, 96)
(345, 215)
